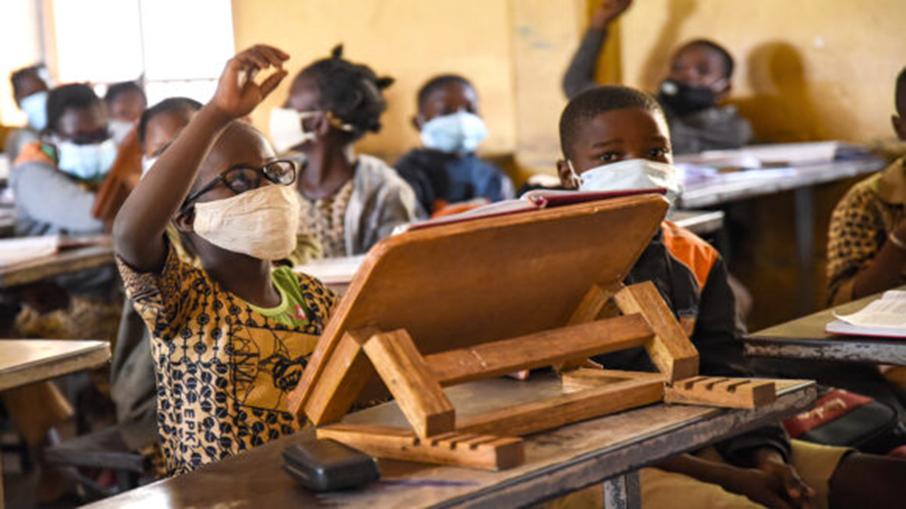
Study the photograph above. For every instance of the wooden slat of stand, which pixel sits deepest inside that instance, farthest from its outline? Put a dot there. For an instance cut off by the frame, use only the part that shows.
(422, 400)
(569, 408)
(580, 379)
(538, 350)
(744, 393)
(670, 350)
(463, 449)
(345, 375)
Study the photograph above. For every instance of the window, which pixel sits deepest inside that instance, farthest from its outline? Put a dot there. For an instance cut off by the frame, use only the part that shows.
(178, 47)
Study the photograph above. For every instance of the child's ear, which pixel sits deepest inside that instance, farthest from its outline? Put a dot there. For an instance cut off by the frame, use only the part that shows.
(321, 125)
(418, 121)
(725, 92)
(899, 126)
(185, 221)
(567, 178)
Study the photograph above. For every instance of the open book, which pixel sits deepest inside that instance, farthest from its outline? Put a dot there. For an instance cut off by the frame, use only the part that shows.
(532, 200)
(884, 317)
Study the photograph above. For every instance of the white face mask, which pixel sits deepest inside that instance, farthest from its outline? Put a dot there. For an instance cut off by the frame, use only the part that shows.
(86, 162)
(630, 175)
(261, 223)
(119, 129)
(287, 130)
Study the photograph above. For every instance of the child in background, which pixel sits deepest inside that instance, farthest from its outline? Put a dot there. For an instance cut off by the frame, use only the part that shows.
(54, 179)
(698, 81)
(866, 247)
(349, 201)
(616, 138)
(230, 339)
(447, 170)
(125, 103)
(30, 93)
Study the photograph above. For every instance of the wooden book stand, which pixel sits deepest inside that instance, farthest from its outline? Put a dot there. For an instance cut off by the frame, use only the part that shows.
(468, 301)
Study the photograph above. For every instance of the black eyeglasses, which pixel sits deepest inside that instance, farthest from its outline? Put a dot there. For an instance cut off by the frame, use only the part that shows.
(242, 177)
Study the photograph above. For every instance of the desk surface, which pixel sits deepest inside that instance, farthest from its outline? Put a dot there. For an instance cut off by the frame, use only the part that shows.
(709, 195)
(557, 462)
(700, 222)
(65, 261)
(804, 338)
(26, 361)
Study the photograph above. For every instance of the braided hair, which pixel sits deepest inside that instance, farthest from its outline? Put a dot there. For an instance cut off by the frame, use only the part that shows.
(351, 92)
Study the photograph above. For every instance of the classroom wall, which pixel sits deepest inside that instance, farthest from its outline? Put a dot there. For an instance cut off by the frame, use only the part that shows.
(513, 50)
(410, 40)
(807, 69)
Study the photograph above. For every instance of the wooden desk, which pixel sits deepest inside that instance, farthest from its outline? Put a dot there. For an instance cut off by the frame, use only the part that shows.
(709, 195)
(64, 262)
(802, 182)
(557, 462)
(805, 338)
(26, 361)
(699, 222)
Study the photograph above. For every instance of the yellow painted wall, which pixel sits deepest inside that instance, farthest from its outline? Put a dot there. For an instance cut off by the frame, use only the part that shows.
(807, 69)
(410, 40)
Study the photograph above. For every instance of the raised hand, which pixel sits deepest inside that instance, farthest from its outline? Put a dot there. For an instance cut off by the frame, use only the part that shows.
(608, 11)
(237, 92)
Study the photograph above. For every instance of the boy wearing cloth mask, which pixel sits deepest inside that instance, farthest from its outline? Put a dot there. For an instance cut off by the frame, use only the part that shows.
(616, 138)
(30, 92)
(229, 339)
(698, 81)
(447, 171)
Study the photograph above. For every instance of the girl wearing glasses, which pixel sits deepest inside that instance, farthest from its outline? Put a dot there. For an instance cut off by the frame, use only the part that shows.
(229, 339)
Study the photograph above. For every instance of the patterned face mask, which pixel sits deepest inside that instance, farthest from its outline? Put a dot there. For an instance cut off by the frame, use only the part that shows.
(261, 223)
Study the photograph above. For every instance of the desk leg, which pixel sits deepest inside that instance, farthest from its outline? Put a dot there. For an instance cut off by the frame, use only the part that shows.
(623, 492)
(805, 237)
(2, 505)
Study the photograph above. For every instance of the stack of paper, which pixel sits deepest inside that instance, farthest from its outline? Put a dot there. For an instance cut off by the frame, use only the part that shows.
(885, 317)
(23, 249)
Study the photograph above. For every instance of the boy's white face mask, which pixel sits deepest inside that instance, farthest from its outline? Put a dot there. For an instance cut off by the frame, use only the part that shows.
(630, 175)
(261, 223)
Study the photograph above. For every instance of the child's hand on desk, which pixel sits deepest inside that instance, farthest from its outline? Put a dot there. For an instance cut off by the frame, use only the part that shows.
(772, 482)
(607, 12)
(237, 93)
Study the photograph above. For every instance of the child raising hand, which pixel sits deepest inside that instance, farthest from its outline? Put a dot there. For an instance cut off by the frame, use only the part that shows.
(229, 340)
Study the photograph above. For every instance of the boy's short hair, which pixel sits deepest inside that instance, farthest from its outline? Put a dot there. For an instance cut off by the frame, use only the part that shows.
(899, 97)
(64, 97)
(16, 77)
(729, 63)
(118, 89)
(438, 82)
(177, 105)
(598, 100)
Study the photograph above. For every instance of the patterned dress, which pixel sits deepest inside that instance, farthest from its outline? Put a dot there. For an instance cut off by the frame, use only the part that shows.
(224, 367)
(324, 220)
(860, 225)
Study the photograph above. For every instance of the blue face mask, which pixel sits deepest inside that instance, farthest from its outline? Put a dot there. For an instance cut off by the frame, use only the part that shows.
(629, 176)
(459, 132)
(86, 162)
(35, 108)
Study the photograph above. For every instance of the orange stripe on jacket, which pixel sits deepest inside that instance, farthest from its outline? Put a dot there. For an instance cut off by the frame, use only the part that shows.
(690, 250)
